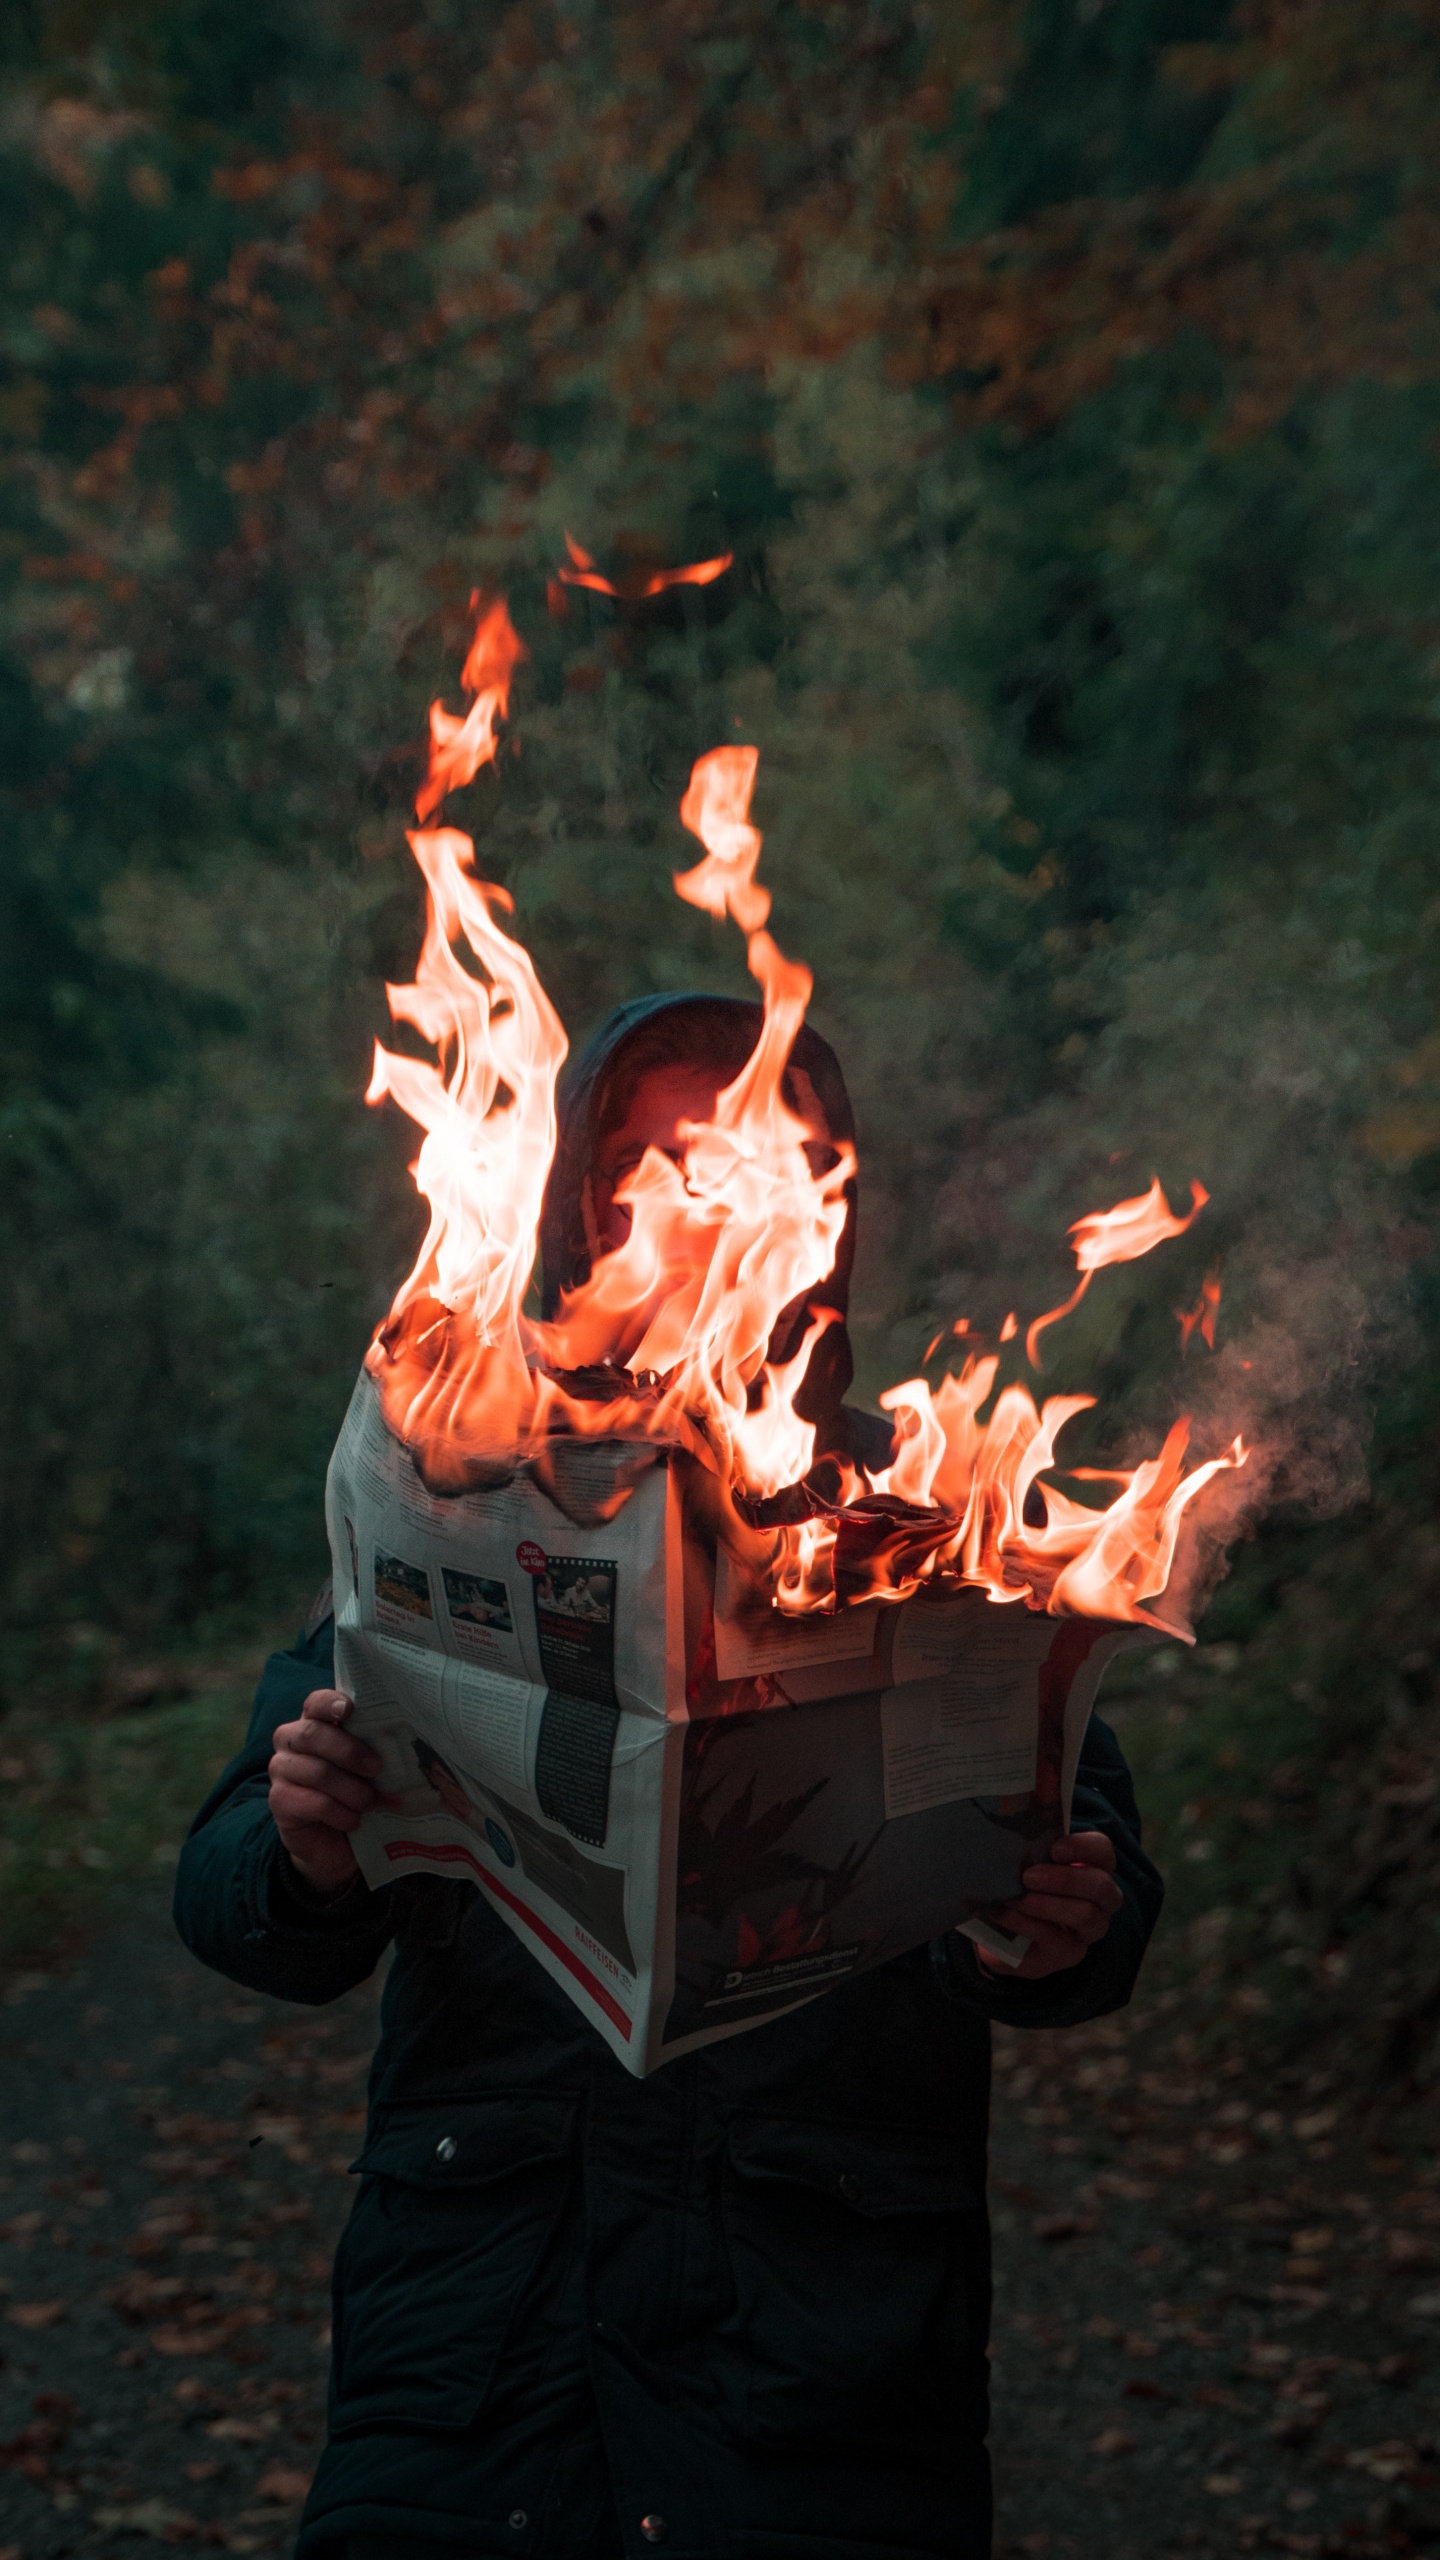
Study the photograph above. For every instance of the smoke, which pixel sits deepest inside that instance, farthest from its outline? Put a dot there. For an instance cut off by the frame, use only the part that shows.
(1295, 1385)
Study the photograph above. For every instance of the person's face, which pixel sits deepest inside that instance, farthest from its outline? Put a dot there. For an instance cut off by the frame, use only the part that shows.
(661, 1102)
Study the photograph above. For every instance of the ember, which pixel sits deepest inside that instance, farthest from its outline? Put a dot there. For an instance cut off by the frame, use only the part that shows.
(676, 1323)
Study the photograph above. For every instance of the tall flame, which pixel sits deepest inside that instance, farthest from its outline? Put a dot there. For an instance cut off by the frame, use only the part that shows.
(451, 1359)
(680, 1317)
(720, 1246)
(459, 747)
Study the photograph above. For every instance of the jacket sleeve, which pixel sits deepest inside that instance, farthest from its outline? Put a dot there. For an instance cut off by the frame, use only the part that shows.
(1105, 1977)
(240, 1906)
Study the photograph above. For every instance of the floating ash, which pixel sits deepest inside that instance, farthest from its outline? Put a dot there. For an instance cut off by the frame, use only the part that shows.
(1203, 1316)
(670, 1337)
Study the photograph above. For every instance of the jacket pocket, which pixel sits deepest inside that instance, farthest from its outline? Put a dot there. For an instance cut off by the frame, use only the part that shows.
(859, 2259)
(456, 2205)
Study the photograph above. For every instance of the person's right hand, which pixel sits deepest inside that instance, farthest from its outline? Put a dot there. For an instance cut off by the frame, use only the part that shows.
(322, 1781)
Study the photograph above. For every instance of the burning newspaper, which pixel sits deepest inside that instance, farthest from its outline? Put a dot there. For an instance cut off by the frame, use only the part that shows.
(715, 1718)
(693, 1811)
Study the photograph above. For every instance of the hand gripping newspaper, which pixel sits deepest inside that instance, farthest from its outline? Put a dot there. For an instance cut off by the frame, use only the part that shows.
(695, 1812)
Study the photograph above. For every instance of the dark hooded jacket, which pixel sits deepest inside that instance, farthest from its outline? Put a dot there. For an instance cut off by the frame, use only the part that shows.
(748, 2298)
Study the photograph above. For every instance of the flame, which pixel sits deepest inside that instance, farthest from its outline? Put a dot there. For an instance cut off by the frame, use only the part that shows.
(678, 1320)
(720, 1246)
(634, 590)
(451, 1360)
(1010, 1532)
(1204, 1313)
(459, 747)
(1122, 1234)
(716, 809)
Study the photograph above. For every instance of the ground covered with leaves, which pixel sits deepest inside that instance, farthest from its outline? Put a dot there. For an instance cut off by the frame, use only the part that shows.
(174, 2165)
(1218, 2287)
(1218, 2304)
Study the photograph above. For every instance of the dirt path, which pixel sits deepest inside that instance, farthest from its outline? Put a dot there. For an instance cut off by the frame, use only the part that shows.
(1217, 2311)
(1216, 2318)
(172, 2179)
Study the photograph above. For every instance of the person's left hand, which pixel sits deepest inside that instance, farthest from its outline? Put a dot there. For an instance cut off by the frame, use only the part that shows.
(1065, 1909)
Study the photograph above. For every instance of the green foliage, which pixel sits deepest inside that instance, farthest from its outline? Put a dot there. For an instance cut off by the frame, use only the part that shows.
(89, 1811)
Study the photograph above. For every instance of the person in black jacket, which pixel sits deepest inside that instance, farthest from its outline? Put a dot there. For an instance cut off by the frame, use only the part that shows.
(740, 2308)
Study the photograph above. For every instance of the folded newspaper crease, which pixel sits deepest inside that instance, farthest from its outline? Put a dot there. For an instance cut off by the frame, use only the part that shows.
(694, 1812)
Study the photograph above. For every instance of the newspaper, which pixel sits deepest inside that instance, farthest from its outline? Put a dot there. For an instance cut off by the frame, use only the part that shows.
(693, 1811)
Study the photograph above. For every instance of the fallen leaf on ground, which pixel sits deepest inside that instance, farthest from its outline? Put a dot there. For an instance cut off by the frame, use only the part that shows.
(1112, 2441)
(1222, 2484)
(1397, 2370)
(347, 2067)
(150, 2515)
(1065, 2226)
(188, 2342)
(138, 2296)
(191, 2388)
(1385, 2462)
(284, 2485)
(36, 2315)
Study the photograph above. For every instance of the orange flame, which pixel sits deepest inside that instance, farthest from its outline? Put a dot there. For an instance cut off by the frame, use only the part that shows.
(1122, 1234)
(721, 1245)
(741, 1230)
(459, 747)
(1204, 1313)
(716, 809)
(451, 1360)
(634, 590)
(977, 1509)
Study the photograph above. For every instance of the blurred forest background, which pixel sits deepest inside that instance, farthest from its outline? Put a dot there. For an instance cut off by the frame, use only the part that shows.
(1065, 380)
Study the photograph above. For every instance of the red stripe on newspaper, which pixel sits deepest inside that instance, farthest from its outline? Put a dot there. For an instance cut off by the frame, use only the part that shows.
(451, 1850)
